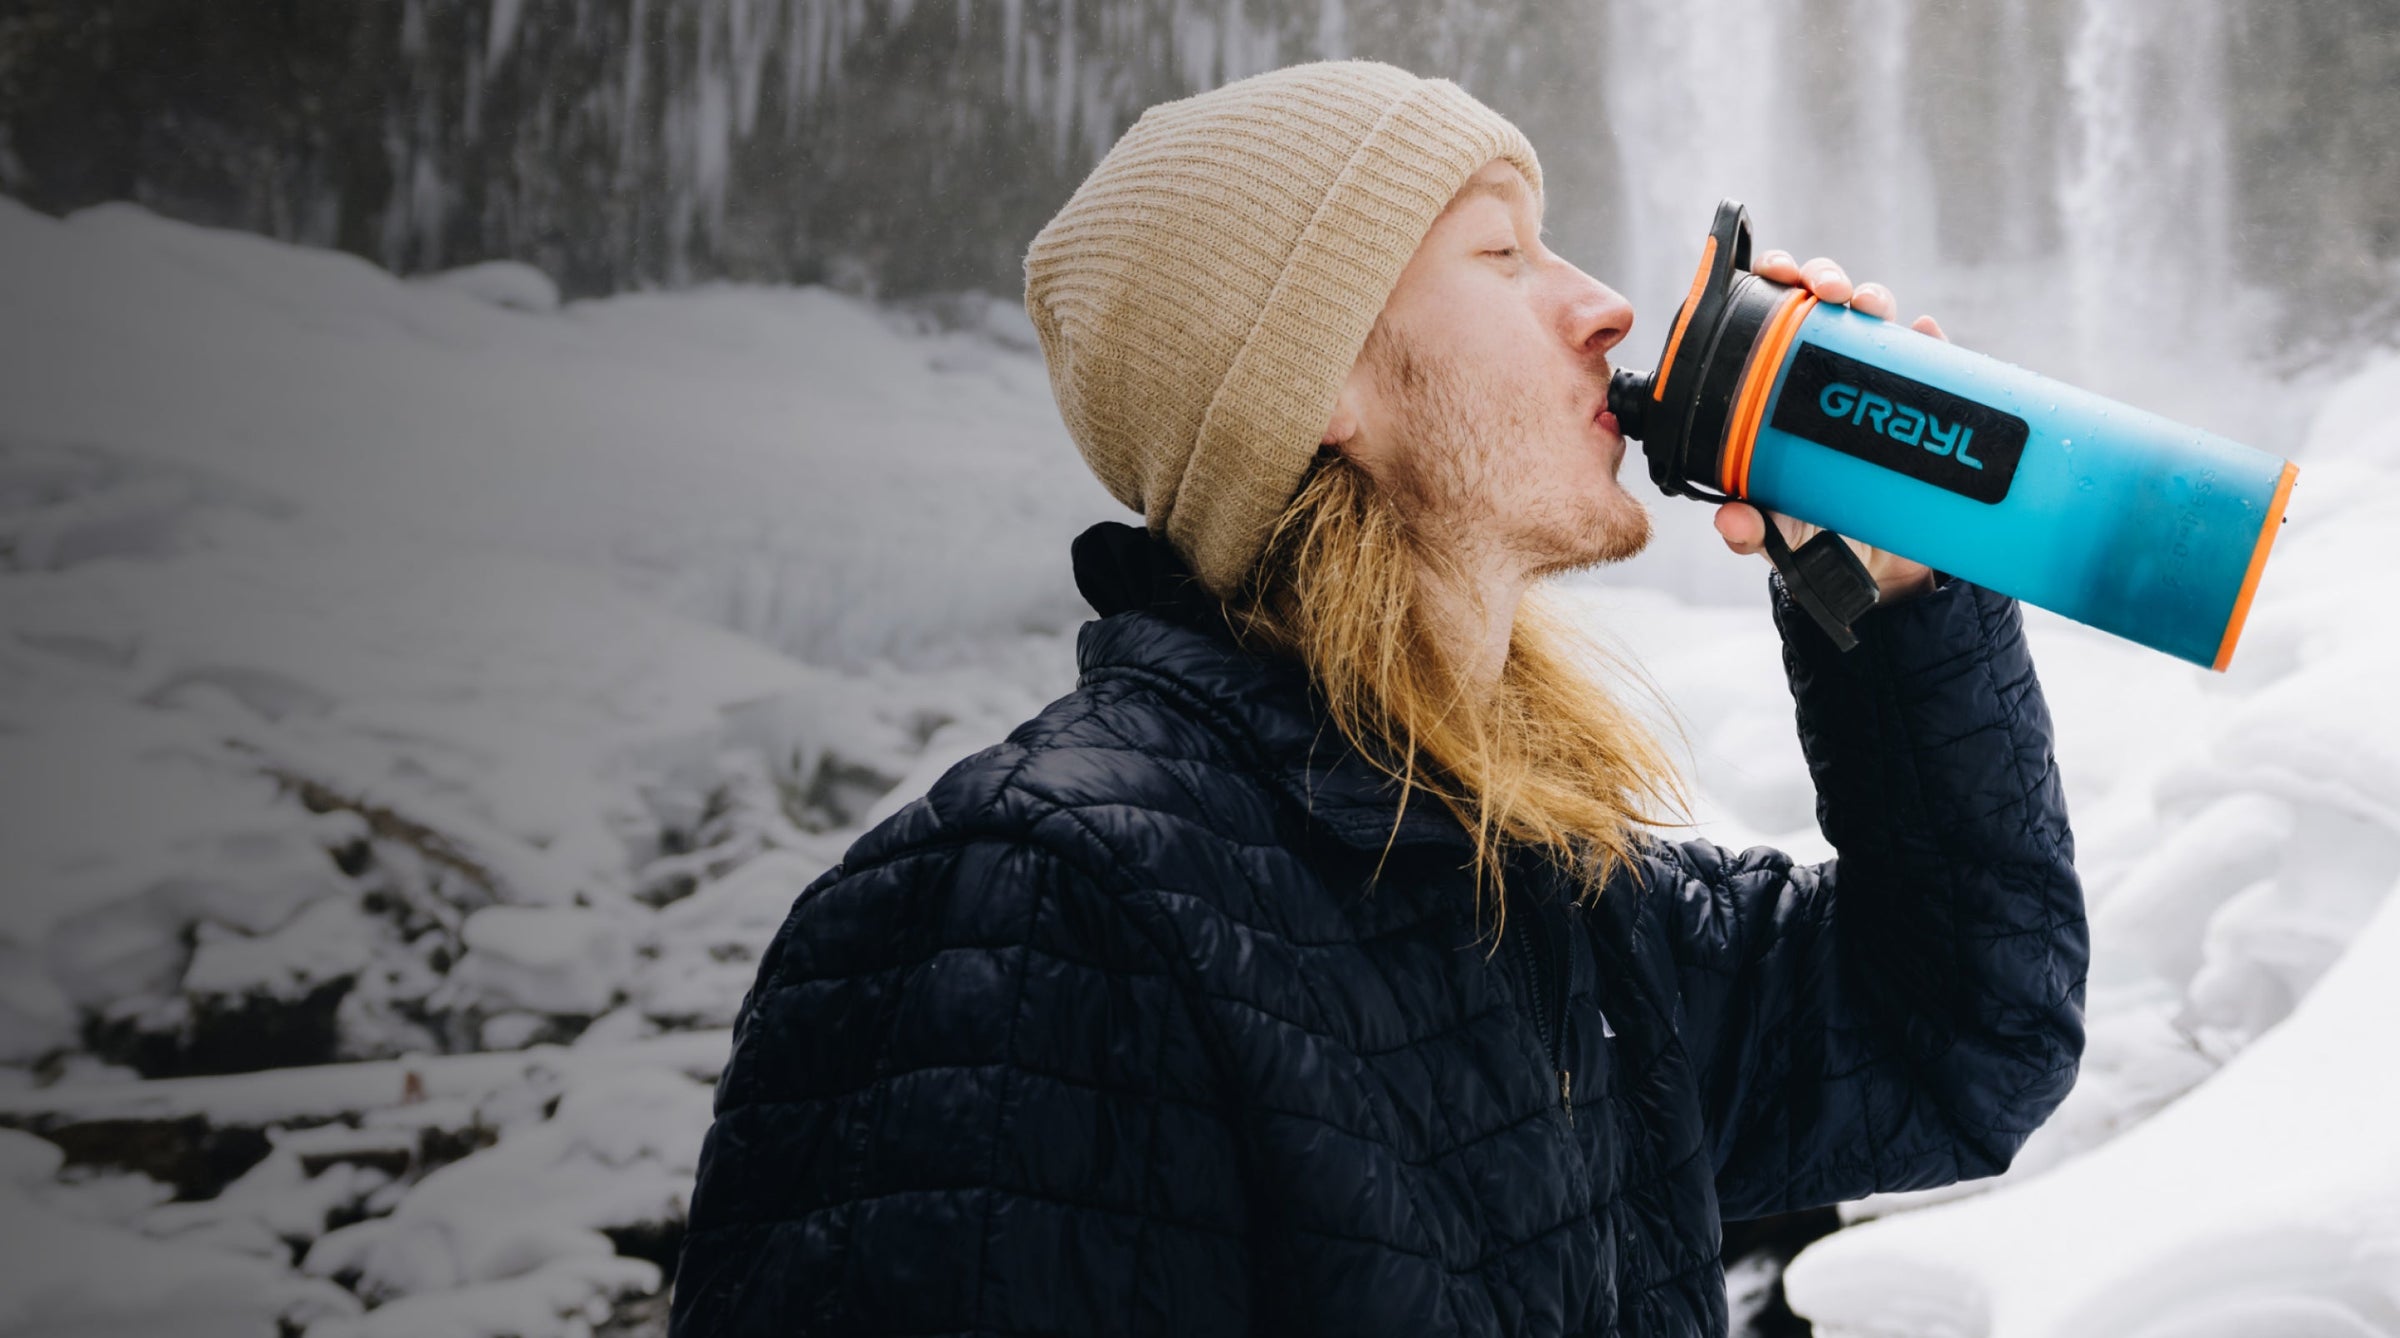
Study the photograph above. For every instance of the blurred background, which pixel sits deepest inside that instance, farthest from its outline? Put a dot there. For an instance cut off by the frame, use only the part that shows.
(495, 495)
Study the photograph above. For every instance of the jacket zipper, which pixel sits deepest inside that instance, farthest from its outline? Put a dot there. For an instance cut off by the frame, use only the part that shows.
(1546, 968)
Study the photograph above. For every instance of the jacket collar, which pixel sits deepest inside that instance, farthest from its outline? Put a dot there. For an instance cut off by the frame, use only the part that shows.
(1157, 622)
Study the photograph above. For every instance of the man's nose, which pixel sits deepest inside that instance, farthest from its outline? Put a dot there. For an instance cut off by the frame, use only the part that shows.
(1598, 316)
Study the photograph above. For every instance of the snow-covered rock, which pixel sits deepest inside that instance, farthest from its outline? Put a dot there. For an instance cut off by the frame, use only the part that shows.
(503, 283)
(67, 1272)
(382, 658)
(543, 959)
(619, 1153)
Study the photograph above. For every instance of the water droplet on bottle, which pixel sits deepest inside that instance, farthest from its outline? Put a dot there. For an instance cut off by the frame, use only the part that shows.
(2054, 406)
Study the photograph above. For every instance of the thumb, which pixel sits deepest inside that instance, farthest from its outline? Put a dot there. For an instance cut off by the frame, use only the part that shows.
(1741, 526)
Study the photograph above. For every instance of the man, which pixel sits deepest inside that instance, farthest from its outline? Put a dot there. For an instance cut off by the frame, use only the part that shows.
(1310, 968)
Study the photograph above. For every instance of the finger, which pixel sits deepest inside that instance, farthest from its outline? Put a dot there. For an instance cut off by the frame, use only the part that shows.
(1826, 279)
(1743, 529)
(1777, 265)
(1928, 325)
(1875, 300)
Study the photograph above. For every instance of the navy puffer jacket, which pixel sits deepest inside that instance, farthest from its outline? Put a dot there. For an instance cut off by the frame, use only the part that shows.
(1109, 1033)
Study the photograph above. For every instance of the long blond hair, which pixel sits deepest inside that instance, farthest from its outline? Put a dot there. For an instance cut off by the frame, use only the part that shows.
(1549, 759)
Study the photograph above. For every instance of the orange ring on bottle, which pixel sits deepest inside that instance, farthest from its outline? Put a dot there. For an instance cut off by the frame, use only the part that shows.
(1750, 404)
(2258, 564)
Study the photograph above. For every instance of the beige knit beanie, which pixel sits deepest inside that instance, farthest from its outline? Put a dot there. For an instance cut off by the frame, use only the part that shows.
(1205, 291)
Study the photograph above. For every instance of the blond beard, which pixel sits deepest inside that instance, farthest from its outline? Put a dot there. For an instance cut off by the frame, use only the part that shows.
(1460, 425)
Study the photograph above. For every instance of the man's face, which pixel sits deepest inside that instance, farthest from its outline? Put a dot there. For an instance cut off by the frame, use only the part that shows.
(1476, 399)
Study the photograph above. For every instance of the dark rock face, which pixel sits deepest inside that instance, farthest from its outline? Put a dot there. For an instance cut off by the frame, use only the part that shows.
(238, 1035)
(897, 147)
(192, 1153)
(911, 146)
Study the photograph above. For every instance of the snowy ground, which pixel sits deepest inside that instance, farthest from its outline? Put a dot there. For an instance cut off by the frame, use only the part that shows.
(434, 695)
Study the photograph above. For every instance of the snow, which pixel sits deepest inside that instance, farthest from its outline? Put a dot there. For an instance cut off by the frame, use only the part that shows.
(503, 283)
(67, 1268)
(284, 529)
(620, 1151)
(466, 681)
(713, 441)
(498, 667)
(329, 940)
(423, 1091)
(545, 959)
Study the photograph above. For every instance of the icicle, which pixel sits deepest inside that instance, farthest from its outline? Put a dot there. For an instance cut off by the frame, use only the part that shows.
(1229, 43)
(1032, 76)
(1195, 45)
(712, 116)
(748, 43)
(426, 206)
(792, 49)
(811, 41)
(412, 30)
(1062, 103)
(1012, 38)
(503, 33)
(1098, 120)
(1333, 30)
(637, 51)
(470, 118)
(854, 26)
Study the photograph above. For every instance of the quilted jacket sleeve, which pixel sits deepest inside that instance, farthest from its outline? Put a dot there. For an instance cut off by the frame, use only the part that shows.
(1906, 1014)
(954, 1092)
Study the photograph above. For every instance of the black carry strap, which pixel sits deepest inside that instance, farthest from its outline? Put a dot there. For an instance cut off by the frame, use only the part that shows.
(1825, 578)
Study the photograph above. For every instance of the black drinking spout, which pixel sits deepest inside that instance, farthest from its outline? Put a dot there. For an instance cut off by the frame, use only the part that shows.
(1629, 401)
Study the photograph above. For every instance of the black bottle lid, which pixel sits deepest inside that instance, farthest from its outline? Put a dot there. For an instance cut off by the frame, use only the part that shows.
(1680, 412)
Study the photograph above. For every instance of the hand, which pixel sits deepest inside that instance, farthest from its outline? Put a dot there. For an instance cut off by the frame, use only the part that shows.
(1741, 524)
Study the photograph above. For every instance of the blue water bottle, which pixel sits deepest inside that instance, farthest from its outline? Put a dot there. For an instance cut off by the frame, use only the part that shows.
(2114, 517)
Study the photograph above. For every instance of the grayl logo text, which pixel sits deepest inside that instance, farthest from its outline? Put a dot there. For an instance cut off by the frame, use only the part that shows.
(1898, 423)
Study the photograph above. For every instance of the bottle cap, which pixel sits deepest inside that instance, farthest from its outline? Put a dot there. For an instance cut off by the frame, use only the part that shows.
(1685, 413)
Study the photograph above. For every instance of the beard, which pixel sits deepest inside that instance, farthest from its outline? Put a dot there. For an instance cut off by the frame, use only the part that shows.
(1467, 483)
